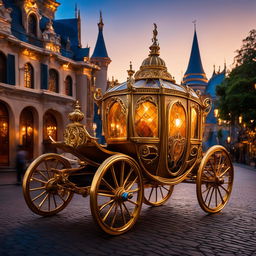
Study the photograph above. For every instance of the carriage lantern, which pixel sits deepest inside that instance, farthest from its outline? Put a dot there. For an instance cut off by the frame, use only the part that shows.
(153, 129)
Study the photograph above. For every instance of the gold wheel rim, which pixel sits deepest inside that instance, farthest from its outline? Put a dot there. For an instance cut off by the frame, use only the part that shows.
(215, 180)
(43, 195)
(158, 194)
(117, 194)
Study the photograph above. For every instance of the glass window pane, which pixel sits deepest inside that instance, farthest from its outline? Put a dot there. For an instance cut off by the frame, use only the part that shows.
(117, 126)
(194, 123)
(146, 120)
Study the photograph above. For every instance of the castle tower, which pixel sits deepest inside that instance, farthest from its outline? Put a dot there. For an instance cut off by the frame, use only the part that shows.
(100, 58)
(195, 76)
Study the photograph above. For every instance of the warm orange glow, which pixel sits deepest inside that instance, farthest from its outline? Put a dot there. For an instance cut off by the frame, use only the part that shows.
(240, 118)
(228, 139)
(51, 130)
(216, 112)
(194, 123)
(66, 66)
(52, 47)
(116, 121)
(29, 54)
(177, 121)
(146, 120)
(4, 129)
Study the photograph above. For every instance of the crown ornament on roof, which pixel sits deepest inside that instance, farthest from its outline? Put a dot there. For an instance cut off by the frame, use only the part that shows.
(153, 67)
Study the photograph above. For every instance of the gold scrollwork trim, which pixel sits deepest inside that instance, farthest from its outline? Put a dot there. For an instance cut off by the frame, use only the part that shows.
(114, 100)
(145, 99)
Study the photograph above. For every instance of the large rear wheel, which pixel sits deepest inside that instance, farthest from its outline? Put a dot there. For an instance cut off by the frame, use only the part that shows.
(214, 179)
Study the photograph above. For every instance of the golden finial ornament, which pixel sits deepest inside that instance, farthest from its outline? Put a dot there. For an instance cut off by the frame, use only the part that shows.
(130, 79)
(75, 133)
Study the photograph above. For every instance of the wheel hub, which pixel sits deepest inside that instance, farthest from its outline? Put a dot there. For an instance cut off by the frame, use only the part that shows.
(123, 195)
(51, 186)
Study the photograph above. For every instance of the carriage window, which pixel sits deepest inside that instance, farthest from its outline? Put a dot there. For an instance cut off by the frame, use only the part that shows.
(117, 121)
(177, 117)
(194, 123)
(146, 120)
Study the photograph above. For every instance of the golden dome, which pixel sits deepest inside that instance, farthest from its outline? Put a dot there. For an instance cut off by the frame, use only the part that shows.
(153, 67)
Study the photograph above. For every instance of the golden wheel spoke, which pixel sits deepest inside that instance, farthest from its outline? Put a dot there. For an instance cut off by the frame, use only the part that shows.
(150, 193)
(222, 174)
(114, 176)
(47, 168)
(108, 212)
(220, 195)
(207, 194)
(104, 191)
(114, 218)
(106, 204)
(107, 184)
(54, 200)
(128, 176)
(165, 188)
(156, 194)
(161, 191)
(42, 174)
(132, 202)
(106, 195)
(39, 180)
(133, 182)
(125, 207)
(61, 197)
(38, 196)
(41, 204)
(35, 189)
(133, 190)
(224, 189)
(210, 199)
(122, 173)
(206, 189)
(219, 164)
(216, 197)
(122, 212)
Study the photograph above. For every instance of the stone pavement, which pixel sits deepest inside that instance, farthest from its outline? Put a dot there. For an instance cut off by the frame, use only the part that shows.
(179, 227)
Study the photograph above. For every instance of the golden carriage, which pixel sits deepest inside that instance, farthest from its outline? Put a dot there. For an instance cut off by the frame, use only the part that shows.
(153, 129)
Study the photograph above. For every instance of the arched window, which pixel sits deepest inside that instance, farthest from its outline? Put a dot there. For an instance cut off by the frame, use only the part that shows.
(29, 75)
(32, 25)
(117, 127)
(4, 135)
(53, 84)
(27, 131)
(50, 126)
(68, 86)
(3, 70)
(194, 123)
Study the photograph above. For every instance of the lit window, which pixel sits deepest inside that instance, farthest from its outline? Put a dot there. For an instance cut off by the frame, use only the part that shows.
(116, 121)
(177, 127)
(29, 75)
(50, 126)
(146, 120)
(194, 123)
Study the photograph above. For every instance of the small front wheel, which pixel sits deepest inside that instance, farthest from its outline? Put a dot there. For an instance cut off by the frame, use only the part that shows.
(116, 194)
(42, 193)
(157, 194)
(214, 180)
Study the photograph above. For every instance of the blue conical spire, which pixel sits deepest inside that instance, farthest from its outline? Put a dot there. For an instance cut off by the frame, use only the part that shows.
(195, 63)
(195, 75)
(100, 50)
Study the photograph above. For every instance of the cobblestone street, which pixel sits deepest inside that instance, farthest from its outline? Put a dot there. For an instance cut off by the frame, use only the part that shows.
(179, 227)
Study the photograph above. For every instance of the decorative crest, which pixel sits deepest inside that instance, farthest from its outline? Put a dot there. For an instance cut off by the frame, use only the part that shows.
(154, 48)
(77, 115)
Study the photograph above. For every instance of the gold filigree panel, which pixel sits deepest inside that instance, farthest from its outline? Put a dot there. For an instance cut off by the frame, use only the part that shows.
(146, 119)
(117, 124)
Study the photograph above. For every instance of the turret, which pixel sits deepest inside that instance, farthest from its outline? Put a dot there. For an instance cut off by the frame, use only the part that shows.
(195, 76)
(100, 57)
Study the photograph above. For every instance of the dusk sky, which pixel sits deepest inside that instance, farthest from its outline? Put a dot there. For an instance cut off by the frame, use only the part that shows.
(221, 27)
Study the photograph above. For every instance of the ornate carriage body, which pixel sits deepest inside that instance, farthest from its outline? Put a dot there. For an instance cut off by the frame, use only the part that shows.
(154, 129)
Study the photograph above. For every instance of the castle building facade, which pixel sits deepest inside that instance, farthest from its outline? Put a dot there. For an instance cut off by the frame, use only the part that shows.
(43, 70)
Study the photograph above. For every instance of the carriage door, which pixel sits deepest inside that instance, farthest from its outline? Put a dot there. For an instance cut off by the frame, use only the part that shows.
(4, 135)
